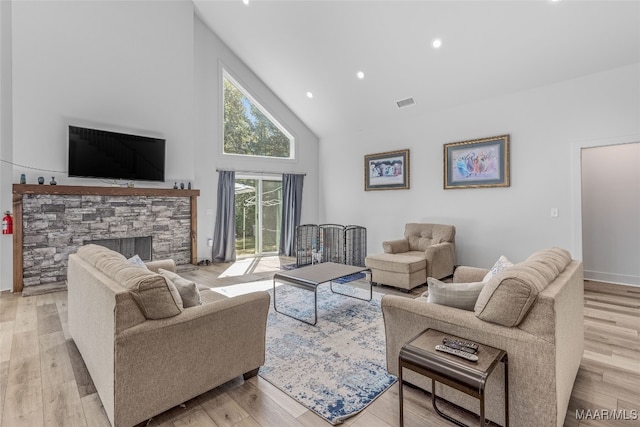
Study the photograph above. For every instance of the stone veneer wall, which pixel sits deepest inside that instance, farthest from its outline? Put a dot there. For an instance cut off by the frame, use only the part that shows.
(55, 226)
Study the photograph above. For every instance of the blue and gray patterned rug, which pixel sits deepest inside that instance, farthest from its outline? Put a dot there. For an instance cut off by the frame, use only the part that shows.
(335, 368)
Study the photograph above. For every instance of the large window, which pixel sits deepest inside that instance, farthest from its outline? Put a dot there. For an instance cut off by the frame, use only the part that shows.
(249, 129)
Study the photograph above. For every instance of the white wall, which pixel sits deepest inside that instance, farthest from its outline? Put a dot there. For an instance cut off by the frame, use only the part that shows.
(123, 65)
(152, 67)
(6, 146)
(120, 65)
(545, 124)
(126, 66)
(611, 213)
(211, 56)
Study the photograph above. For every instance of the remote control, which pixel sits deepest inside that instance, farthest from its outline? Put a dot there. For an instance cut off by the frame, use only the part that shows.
(459, 353)
(457, 346)
(469, 347)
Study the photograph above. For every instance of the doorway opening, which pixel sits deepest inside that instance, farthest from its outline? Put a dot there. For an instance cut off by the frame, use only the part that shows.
(610, 208)
(258, 215)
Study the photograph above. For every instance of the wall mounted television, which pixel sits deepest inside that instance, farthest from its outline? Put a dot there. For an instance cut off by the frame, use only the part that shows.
(95, 153)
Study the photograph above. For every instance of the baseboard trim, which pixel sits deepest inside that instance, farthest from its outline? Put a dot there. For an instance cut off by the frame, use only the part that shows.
(619, 279)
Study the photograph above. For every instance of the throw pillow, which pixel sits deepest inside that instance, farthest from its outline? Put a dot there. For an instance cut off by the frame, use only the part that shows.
(157, 297)
(187, 289)
(137, 261)
(507, 298)
(458, 295)
(501, 264)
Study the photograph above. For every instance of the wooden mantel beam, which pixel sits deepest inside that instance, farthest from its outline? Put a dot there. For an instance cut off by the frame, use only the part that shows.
(101, 191)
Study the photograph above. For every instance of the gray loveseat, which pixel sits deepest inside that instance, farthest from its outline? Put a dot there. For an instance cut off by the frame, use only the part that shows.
(533, 310)
(145, 352)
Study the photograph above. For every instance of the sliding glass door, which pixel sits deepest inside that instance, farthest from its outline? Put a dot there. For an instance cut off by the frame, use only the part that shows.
(258, 215)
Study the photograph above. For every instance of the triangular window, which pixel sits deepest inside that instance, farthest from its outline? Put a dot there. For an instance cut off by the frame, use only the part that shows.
(249, 129)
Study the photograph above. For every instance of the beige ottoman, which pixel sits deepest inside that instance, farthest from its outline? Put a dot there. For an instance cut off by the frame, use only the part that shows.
(400, 271)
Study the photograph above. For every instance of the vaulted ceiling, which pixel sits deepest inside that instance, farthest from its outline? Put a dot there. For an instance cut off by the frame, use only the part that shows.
(489, 48)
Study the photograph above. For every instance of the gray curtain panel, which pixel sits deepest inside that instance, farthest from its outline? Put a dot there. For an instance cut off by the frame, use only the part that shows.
(224, 233)
(291, 209)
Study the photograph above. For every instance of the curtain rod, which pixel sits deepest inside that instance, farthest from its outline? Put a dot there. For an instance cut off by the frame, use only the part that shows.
(259, 172)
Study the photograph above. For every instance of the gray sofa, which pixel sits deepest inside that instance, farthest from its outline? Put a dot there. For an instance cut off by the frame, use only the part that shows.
(533, 311)
(145, 352)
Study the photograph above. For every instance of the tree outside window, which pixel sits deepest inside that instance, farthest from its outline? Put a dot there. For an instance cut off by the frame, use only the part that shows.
(248, 130)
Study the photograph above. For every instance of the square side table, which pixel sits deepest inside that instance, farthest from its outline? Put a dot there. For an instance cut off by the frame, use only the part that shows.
(420, 355)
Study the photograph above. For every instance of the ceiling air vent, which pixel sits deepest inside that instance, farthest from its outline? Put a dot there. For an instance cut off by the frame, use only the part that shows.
(405, 102)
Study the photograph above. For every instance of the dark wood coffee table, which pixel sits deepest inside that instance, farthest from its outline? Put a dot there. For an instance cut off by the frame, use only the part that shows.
(310, 277)
(420, 355)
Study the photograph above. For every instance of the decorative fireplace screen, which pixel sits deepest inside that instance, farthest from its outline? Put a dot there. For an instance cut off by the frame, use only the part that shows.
(331, 242)
(127, 246)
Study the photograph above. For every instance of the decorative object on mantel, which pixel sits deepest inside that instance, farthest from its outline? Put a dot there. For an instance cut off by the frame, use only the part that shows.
(182, 185)
(387, 171)
(53, 181)
(41, 180)
(23, 179)
(189, 186)
(175, 185)
(477, 163)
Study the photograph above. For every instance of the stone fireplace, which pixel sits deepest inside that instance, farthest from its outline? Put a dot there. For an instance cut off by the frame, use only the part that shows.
(52, 222)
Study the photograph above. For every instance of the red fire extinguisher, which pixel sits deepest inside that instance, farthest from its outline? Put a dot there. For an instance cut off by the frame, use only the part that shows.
(7, 223)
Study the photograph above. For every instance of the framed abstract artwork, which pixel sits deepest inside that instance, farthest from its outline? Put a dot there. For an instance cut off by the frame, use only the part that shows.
(387, 171)
(477, 163)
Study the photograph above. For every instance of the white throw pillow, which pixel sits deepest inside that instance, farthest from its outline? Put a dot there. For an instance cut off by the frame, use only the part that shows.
(458, 295)
(137, 261)
(501, 264)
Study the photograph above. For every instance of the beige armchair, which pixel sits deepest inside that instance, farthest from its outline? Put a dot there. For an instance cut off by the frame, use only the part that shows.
(427, 250)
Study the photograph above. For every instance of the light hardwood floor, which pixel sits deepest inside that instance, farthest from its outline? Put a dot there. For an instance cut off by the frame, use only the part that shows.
(43, 381)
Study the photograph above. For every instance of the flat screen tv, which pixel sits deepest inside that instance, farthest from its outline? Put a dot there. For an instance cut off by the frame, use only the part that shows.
(97, 153)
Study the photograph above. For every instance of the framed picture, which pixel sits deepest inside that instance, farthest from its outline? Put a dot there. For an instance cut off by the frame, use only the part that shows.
(477, 163)
(387, 171)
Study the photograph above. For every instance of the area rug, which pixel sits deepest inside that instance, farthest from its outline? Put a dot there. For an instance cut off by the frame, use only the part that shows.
(350, 278)
(335, 368)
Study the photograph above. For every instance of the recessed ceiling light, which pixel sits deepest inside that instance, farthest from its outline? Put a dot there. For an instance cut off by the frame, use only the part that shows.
(360, 75)
(436, 43)
(309, 95)
(246, 2)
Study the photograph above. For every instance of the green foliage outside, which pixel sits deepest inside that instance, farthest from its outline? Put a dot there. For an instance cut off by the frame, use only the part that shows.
(245, 220)
(250, 132)
(247, 217)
